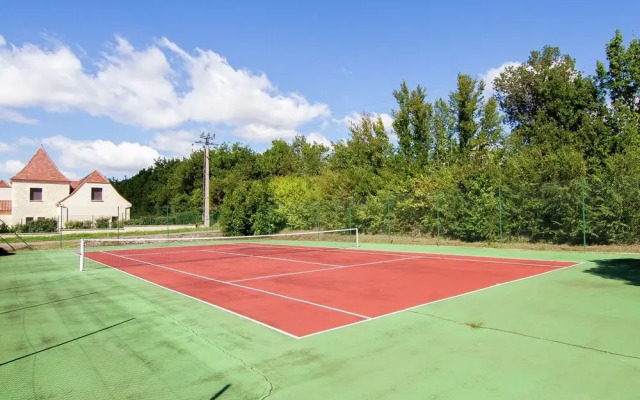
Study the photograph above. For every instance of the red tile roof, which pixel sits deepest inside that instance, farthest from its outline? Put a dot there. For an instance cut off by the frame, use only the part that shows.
(5, 207)
(4, 185)
(40, 169)
(94, 177)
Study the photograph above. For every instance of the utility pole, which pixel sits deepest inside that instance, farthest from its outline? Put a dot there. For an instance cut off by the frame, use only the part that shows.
(207, 140)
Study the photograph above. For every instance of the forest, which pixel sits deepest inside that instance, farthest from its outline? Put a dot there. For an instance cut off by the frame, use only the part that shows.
(553, 156)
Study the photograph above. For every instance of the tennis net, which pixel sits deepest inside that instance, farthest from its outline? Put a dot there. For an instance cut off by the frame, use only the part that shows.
(193, 249)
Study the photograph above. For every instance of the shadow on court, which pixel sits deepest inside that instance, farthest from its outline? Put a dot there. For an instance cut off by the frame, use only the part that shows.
(220, 392)
(621, 269)
(4, 252)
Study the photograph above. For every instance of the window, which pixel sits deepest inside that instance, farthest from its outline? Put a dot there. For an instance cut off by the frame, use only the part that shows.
(96, 194)
(35, 194)
(28, 219)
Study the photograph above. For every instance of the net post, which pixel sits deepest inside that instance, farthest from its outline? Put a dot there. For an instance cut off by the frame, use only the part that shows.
(81, 254)
(357, 238)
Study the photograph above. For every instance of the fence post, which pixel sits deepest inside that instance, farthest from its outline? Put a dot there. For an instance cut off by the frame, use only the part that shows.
(438, 217)
(500, 211)
(349, 210)
(167, 221)
(389, 219)
(584, 219)
(118, 222)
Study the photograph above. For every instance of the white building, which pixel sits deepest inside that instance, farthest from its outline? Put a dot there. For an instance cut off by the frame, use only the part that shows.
(40, 190)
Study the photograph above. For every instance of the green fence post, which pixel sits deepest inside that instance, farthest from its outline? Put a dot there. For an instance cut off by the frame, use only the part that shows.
(318, 219)
(389, 219)
(500, 211)
(438, 217)
(167, 220)
(584, 220)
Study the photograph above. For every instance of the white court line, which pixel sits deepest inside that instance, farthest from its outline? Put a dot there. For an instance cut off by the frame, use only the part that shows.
(323, 269)
(271, 258)
(365, 319)
(243, 287)
(203, 301)
(394, 253)
(438, 301)
(425, 256)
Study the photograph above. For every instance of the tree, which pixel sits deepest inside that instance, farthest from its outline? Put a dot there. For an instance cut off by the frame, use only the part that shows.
(363, 157)
(444, 122)
(490, 132)
(250, 210)
(548, 91)
(466, 104)
(280, 159)
(621, 81)
(411, 124)
(312, 157)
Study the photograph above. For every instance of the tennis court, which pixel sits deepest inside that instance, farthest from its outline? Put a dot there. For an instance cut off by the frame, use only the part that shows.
(301, 290)
(102, 333)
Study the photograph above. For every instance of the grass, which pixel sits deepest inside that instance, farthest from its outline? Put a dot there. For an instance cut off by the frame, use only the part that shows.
(523, 244)
(101, 334)
(11, 238)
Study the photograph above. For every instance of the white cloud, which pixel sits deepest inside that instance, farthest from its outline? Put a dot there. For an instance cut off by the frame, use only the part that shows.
(14, 116)
(180, 143)
(5, 148)
(71, 175)
(319, 139)
(355, 118)
(387, 121)
(489, 76)
(25, 141)
(160, 87)
(102, 155)
(264, 133)
(11, 167)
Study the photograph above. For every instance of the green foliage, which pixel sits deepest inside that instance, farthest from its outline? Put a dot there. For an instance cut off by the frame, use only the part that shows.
(250, 210)
(40, 225)
(412, 124)
(180, 218)
(102, 222)
(550, 137)
(466, 104)
(4, 228)
(74, 224)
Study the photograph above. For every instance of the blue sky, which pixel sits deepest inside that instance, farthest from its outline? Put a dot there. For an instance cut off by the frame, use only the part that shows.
(113, 85)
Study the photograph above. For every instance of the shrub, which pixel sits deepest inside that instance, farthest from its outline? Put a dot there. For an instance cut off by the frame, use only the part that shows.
(102, 222)
(73, 224)
(40, 225)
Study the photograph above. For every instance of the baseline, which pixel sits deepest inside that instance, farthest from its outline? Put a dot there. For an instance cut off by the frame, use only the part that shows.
(438, 301)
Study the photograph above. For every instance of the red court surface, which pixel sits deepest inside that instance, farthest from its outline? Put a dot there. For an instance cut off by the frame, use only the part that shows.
(302, 291)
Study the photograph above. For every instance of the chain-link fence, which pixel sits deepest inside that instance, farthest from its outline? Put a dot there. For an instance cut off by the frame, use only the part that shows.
(580, 212)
